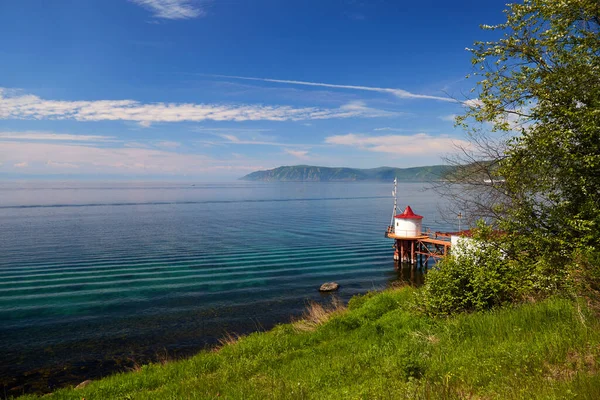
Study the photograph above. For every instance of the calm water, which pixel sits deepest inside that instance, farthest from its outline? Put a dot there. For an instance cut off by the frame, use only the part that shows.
(96, 277)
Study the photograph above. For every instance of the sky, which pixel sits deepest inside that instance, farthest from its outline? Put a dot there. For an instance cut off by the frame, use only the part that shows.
(211, 90)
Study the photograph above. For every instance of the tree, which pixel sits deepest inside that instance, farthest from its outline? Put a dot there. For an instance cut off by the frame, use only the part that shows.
(538, 93)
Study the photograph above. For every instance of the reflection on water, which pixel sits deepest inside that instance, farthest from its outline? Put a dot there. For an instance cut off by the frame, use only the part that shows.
(410, 274)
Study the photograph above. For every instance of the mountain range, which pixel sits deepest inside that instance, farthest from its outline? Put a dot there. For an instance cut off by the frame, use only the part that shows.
(308, 173)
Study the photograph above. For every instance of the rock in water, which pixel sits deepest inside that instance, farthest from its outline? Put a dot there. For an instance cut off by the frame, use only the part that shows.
(329, 287)
(83, 384)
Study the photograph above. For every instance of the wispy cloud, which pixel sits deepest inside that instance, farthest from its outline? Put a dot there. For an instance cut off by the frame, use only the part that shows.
(17, 106)
(387, 128)
(172, 9)
(235, 140)
(302, 154)
(243, 130)
(46, 136)
(61, 165)
(417, 144)
(168, 144)
(403, 94)
(37, 157)
(449, 118)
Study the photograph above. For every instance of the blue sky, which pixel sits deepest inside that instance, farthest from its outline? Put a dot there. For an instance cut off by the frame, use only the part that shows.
(214, 89)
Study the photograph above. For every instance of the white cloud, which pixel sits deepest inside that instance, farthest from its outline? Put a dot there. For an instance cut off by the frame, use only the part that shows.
(46, 136)
(474, 103)
(403, 94)
(33, 107)
(418, 144)
(44, 158)
(302, 154)
(168, 144)
(172, 9)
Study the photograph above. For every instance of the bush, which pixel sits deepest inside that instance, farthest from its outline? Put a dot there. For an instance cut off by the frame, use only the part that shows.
(473, 279)
(585, 276)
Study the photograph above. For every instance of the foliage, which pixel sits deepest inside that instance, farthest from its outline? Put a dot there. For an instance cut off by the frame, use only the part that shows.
(541, 81)
(381, 348)
(476, 276)
(585, 273)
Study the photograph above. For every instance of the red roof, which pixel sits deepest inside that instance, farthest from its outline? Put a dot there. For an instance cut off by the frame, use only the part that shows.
(463, 233)
(408, 214)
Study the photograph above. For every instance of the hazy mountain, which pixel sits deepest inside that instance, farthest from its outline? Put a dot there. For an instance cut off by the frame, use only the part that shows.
(307, 173)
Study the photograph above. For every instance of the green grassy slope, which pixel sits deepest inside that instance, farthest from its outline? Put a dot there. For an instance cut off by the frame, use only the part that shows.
(382, 348)
(302, 173)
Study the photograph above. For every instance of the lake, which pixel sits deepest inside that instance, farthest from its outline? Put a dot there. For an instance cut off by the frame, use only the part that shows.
(97, 278)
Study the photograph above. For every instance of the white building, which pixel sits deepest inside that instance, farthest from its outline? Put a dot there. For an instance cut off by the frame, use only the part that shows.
(408, 224)
(463, 244)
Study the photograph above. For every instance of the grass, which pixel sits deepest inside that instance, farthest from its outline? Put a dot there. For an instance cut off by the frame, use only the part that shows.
(382, 347)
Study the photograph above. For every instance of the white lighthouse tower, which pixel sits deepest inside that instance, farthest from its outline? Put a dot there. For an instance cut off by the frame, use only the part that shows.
(406, 230)
(408, 224)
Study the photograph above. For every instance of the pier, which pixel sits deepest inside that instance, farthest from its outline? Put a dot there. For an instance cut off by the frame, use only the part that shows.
(419, 249)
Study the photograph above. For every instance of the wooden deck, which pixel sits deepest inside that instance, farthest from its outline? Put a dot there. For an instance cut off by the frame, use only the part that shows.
(420, 249)
(436, 241)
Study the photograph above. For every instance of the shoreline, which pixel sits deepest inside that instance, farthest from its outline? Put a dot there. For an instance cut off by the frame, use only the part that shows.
(43, 380)
(380, 345)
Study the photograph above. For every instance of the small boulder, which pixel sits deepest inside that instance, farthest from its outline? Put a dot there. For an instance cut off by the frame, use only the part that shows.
(329, 287)
(83, 384)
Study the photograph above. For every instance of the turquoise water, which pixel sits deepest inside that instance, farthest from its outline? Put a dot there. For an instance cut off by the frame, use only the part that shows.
(96, 278)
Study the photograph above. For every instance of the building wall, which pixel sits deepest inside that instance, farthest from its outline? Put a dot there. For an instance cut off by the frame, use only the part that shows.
(407, 227)
(463, 245)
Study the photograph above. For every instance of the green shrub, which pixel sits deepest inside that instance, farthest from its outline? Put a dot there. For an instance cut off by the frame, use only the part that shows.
(473, 279)
(584, 274)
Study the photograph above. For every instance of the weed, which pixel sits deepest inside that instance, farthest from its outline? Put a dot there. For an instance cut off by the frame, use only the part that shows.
(317, 314)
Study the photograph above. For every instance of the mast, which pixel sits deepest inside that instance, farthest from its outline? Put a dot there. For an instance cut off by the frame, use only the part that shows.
(394, 193)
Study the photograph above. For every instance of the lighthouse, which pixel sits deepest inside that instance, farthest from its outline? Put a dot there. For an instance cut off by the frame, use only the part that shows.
(411, 245)
(406, 230)
(408, 224)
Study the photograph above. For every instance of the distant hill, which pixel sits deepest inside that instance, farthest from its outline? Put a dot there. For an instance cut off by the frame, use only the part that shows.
(307, 173)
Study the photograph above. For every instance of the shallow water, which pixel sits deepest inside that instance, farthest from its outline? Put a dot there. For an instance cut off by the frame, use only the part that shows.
(96, 278)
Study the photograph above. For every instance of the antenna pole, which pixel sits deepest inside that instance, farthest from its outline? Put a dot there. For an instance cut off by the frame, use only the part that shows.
(395, 194)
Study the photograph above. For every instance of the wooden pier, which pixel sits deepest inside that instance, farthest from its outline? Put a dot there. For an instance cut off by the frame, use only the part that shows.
(419, 249)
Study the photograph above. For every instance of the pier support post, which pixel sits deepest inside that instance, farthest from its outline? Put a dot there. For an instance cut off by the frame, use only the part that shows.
(401, 245)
